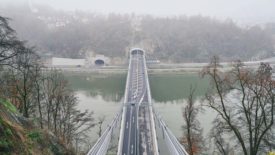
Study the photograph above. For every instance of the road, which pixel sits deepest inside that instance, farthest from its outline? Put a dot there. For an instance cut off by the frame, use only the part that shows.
(134, 98)
(137, 134)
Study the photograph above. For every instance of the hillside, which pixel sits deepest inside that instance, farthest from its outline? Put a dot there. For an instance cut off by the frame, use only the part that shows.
(19, 135)
(172, 39)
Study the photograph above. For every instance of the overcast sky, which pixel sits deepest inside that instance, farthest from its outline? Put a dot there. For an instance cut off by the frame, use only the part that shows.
(241, 11)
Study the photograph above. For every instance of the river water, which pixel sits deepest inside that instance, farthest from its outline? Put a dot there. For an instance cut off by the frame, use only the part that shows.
(103, 94)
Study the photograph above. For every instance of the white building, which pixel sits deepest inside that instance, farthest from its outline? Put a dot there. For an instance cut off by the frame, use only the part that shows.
(97, 60)
(67, 62)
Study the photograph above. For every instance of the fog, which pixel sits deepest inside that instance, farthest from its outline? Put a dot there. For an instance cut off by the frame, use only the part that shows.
(194, 31)
(243, 12)
(45, 45)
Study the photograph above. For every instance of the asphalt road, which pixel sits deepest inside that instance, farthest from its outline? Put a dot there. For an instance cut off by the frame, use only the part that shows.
(135, 96)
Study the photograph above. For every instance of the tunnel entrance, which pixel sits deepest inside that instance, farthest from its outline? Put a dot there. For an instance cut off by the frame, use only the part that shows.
(99, 62)
(137, 51)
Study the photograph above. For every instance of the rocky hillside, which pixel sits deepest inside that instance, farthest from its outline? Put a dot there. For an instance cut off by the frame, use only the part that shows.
(19, 135)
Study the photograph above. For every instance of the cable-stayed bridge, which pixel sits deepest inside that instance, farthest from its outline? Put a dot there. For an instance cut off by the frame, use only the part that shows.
(137, 118)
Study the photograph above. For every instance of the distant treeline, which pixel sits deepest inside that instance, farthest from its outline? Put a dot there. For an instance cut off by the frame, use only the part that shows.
(174, 39)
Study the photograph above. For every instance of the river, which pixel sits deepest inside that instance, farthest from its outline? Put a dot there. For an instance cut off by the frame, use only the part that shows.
(103, 94)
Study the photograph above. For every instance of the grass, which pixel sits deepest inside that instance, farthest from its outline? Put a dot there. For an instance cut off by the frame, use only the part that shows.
(15, 139)
(5, 145)
(8, 105)
(35, 136)
(5, 138)
(8, 132)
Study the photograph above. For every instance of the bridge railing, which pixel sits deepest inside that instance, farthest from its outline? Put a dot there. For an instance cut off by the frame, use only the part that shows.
(154, 134)
(124, 109)
(102, 145)
(171, 141)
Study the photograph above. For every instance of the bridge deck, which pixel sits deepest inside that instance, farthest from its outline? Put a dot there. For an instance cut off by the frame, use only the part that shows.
(138, 132)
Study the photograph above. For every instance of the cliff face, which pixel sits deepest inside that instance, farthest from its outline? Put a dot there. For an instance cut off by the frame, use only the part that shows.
(19, 135)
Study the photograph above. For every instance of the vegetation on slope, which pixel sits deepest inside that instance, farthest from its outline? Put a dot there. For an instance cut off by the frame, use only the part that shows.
(20, 136)
(44, 98)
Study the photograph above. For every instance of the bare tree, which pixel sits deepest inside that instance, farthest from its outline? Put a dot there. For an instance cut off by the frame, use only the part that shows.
(16, 61)
(9, 44)
(217, 134)
(38, 92)
(60, 110)
(22, 74)
(192, 137)
(44, 96)
(269, 141)
(244, 101)
(10, 47)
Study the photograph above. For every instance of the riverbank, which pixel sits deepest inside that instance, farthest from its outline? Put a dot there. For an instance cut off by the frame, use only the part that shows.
(155, 68)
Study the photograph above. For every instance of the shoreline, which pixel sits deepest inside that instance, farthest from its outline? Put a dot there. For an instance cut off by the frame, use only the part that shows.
(153, 68)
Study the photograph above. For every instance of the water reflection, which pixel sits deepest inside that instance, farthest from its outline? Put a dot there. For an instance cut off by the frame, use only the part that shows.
(172, 88)
(109, 87)
(103, 95)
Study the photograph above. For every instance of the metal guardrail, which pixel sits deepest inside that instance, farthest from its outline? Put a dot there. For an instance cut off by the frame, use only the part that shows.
(121, 135)
(172, 142)
(102, 144)
(154, 134)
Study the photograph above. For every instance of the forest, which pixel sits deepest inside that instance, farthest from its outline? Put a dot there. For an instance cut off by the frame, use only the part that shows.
(171, 39)
(36, 107)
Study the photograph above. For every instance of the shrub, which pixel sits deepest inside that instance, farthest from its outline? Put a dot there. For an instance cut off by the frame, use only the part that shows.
(35, 136)
(8, 105)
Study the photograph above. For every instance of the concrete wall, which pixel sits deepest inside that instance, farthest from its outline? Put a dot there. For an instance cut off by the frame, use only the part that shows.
(67, 62)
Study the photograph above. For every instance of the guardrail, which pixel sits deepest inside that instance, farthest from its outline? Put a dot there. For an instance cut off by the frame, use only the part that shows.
(154, 134)
(172, 142)
(102, 144)
(121, 135)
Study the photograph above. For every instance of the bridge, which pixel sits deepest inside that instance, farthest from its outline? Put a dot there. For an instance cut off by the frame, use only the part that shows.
(137, 119)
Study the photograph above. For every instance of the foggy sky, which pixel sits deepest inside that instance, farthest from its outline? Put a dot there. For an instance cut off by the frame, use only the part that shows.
(241, 11)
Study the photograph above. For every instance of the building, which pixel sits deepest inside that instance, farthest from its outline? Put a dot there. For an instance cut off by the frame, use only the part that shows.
(90, 61)
(66, 62)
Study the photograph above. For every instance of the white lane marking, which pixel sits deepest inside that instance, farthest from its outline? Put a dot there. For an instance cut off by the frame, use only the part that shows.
(133, 119)
(127, 125)
(129, 132)
(132, 149)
